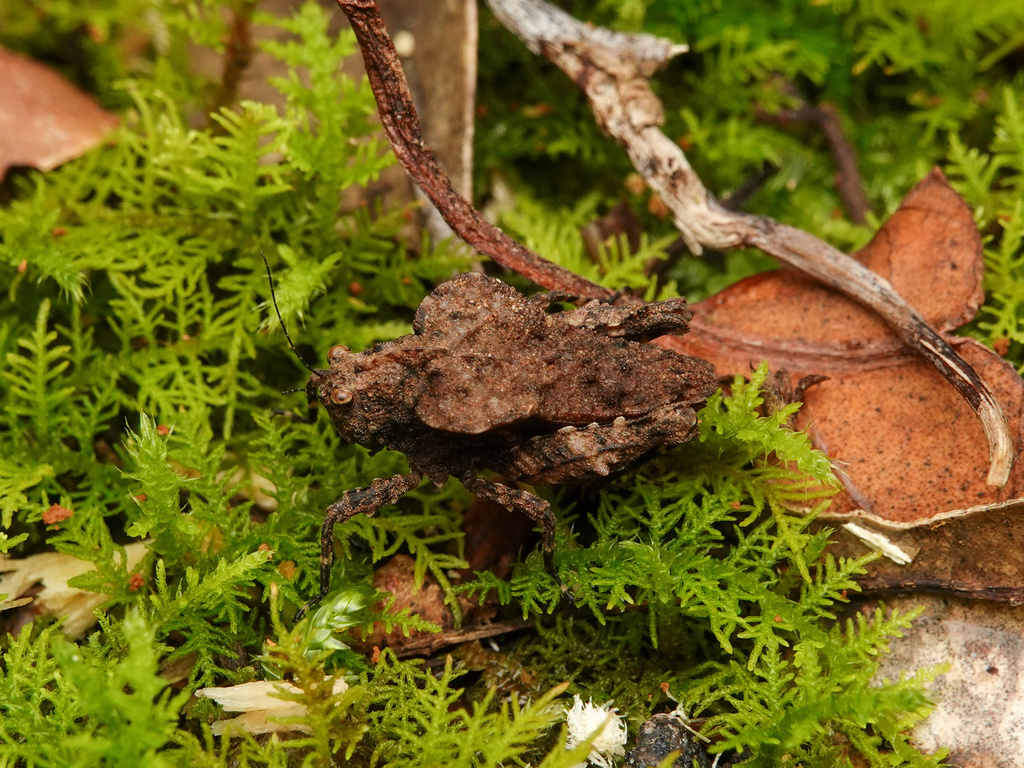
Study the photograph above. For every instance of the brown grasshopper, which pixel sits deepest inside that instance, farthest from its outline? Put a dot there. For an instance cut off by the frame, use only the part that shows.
(491, 380)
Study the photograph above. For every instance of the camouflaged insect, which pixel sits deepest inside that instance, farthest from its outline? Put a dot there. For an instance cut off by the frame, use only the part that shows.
(492, 380)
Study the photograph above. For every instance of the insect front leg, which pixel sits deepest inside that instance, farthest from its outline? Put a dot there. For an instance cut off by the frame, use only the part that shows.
(368, 500)
(311, 410)
(539, 511)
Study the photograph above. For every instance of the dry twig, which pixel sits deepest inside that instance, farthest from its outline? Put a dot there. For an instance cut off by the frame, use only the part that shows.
(848, 182)
(613, 70)
(429, 645)
(238, 53)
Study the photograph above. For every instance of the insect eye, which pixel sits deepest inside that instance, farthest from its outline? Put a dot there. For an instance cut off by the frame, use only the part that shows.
(336, 353)
(341, 396)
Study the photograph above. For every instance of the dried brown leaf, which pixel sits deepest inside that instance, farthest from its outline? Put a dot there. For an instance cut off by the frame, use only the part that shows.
(905, 445)
(978, 555)
(44, 119)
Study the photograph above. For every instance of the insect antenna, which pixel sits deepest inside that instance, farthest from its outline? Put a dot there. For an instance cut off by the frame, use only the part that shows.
(273, 298)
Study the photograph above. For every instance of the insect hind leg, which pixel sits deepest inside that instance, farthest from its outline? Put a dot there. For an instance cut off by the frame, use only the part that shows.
(573, 453)
(538, 509)
(633, 322)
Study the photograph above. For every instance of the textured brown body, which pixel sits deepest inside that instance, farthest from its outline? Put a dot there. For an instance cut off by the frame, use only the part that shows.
(490, 380)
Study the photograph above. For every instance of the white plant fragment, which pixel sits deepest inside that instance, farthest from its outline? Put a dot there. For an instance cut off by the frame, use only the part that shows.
(881, 542)
(262, 705)
(584, 720)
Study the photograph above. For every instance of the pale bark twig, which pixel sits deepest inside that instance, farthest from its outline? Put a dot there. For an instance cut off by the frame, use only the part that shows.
(613, 71)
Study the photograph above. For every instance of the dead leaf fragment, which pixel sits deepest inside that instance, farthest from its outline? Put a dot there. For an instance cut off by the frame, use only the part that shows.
(397, 576)
(977, 555)
(905, 445)
(494, 537)
(265, 711)
(55, 514)
(44, 119)
(53, 570)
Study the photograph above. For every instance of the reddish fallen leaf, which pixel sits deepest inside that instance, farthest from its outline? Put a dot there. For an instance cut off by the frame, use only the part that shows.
(44, 120)
(910, 453)
(906, 445)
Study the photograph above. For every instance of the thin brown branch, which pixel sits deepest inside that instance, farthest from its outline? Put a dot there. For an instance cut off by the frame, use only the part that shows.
(238, 55)
(946, 587)
(849, 184)
(848, 180)
(402, 126)
(613, 70)
(428, 645)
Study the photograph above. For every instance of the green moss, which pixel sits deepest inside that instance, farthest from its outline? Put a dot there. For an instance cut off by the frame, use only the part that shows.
(143, 366)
